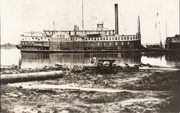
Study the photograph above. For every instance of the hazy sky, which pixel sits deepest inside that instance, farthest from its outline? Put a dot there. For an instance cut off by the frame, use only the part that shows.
(18, 16)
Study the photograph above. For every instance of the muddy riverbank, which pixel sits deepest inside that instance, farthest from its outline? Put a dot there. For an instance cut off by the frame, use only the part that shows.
(147, 91)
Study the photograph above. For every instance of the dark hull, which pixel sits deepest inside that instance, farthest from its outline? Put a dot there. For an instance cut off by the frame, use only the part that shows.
(81, 51)
(172, 46)
(100, 51)
(160, 50)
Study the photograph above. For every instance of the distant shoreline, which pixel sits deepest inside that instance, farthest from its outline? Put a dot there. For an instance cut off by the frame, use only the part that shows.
(8, 46)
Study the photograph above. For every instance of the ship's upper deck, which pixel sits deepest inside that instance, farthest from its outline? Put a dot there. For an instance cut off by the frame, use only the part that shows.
(88, 37)
(50, 33)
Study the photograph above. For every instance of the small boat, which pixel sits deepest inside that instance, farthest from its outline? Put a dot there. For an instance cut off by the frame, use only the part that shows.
(18, 46)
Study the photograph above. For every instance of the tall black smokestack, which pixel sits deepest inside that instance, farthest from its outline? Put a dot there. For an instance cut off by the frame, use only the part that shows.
(116, 19)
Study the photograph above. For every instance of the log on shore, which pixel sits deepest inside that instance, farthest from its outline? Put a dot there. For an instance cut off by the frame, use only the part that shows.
(12, 78)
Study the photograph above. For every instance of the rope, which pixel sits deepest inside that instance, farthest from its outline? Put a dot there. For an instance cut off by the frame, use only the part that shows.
(128, 25)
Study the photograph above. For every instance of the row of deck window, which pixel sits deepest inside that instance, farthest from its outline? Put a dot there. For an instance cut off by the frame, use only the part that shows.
(101, 38)
(108, 32)
(122, 43)
(60, 39)
(88, 39)
(35, 38)
(113, 38)
(36, 43)
(31, 43)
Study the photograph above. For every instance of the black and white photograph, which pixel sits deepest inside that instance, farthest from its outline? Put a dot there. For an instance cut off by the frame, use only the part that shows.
(90, 56)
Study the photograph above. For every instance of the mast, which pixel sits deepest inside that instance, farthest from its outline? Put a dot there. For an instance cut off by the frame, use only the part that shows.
(166, 27)
(160, 34)
(160, 37)
(82, 17)
(53, 25)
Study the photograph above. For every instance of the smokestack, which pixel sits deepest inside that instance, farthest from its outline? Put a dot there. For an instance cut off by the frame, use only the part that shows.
(116, 19)
(75, 29)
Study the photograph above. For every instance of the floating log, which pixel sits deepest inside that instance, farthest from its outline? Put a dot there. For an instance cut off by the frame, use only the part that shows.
(12, 78)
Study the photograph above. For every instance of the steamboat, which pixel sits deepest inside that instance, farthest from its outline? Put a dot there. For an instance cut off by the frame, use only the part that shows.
(100, 40)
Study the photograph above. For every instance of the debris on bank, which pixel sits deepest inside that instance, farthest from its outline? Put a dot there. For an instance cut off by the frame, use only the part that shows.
(101, 67)
(124, 80)
(154, 92)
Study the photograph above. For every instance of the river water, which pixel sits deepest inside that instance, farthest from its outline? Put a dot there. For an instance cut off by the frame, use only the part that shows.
(33, 60)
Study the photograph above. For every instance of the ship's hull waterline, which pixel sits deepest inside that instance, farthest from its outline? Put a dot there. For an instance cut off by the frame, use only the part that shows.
(98, 46)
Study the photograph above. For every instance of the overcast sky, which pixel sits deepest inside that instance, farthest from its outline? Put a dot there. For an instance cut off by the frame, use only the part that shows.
(18, 16)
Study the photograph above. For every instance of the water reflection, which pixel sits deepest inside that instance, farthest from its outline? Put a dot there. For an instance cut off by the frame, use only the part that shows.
(10, 56)
(173, 59)
(46, 59)
(49, 59)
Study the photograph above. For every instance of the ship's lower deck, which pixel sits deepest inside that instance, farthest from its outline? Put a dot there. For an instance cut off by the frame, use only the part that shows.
(81, 46)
